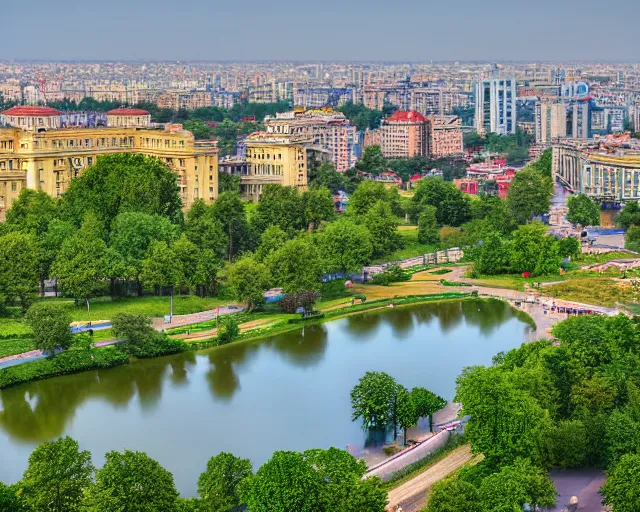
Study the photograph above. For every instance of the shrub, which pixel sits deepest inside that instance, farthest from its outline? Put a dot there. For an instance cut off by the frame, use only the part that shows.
(141, 340)
(391, 274)
(304, 299)
(228, 330)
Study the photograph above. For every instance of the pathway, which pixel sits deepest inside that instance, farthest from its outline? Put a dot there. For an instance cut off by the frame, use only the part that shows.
(195, 318)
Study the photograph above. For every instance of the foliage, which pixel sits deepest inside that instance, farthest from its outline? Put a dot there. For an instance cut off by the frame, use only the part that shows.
(632, 238)
(373, 400)
(453, 495)
(569, 246)
(272, 239)
(250, 280)
(372, 161)
(32, 212)
(529, 194)
(229, 211)
(345, 246)
(493, 257)
(362, 117)
(629, 215)
(391, 274)
(382, 224)
(296, 265)
(50, 325)
(325, 175)
(452, 206)
(279, 206)
(426, 403)
(304, 299)
(317, 206)
(140, 339)
(57, 476)
(18, 269)
(568, 444)
(534, 251)
(583, 211)
(544, 164)
(228, 330)
(132, 481)
(160, 267)
(622, 488)
(228, 182)
(369, 193)
(219, 485)
(428, 232)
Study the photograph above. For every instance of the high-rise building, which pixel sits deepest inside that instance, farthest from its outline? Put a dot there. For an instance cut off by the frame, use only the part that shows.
(634, 115)
(445, 136)
(579, 119)
(36, 154)
(496, 106)
(551, 120)
(404, 134)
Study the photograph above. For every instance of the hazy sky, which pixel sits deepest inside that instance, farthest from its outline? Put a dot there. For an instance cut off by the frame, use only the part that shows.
(320, 30)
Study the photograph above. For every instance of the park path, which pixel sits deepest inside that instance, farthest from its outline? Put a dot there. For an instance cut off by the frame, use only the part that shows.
(411, 495)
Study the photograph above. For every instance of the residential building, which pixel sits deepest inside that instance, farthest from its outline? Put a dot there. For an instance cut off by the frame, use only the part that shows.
(404, 134)
(319, 97)
(224, 99)
(496, 106)
(330, 131)
(274, 158)
(634, 116)
(372, 138)
(579, 119)
(445, 134)
(551, 120)
(184, 100)
(35, 153)
(605, 169)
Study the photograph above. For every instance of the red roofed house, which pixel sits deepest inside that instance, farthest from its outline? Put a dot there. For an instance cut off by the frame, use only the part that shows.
(404, 134)
(128, 118)
(31, 118)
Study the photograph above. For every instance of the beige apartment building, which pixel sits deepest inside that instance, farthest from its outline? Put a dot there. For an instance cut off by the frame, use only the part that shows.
(274, 158)
(35, 153)
(184, 100)
(445, 134)
(404, 134)
(550, 120)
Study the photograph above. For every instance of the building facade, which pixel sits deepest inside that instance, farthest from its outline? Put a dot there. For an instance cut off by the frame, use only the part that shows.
(274, 158)
(496, 106)
(606, 169)
(404, 134)
(446, 136)
(184, 100)
(48, 159)
(551, 120)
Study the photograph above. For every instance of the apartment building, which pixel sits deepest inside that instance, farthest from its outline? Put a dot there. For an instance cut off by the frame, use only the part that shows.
(496, 106)
(184, 100)
(550, 120)
(319, 97)
(330, 131)
(274, 158)
(404, 134)
(446, 136)
(36, 153)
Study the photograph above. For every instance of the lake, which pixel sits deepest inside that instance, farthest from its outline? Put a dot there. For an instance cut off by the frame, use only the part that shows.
(287, 392)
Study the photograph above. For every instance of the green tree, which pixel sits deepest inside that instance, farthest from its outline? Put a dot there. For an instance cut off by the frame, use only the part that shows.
(50, 244)
(372, 161)
(228, 182)
(622, 436)
(296, 265)
(452, 206)
(544, 164)
(516, 484)
(345, 246)
(317, 206)
(50, 325)
(32, 212)
(19, 259)
(219, 485)
(529, 194)
(285, 482)
(132, 482)
(568, 444)
(569, 246)
(229, 211)
(161, 267)
(250, 280)
(11, 498)
(199, 129)
(632, 238)
(426, 403)
(279, 206)
(188, 258)
(228, 330)
(406, 413)
(57, 476)
(453, 495)
(622, 488)
(325, 175)
(494, 255)
(583, 211)
(369, 193)
(382, 225)
(428, 232)
(205, 230)
(373, 400)
(124, 182)
(534, 251)
(496, 212)
(272, 239)
(629, 215)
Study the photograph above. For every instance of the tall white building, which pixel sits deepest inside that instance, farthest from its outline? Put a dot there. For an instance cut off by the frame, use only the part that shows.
(551, 120)
(496, 106)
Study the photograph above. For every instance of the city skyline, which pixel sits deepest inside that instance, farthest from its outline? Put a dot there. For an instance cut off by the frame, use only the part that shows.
(282, 30)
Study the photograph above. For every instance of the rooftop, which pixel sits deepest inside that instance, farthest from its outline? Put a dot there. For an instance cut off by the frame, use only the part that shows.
(408, 116)
(25, 111)
(127, 112)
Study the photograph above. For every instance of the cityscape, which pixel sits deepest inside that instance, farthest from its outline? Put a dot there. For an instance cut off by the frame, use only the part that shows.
(319, 258)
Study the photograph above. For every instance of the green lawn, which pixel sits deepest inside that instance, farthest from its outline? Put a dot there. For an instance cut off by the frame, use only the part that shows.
(590, 259)
(12, 347)
(13, 328)
(104, 308)
(411, 246)
(598, 291)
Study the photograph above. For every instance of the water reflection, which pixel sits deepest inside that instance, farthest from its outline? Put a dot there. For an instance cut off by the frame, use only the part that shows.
(304, 348)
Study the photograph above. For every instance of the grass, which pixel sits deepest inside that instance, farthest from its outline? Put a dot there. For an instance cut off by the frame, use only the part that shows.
(411, 247)
(599, 291)
(633, 308)
(104, 308)
(12, 328)
(13, 347)
(591, 259)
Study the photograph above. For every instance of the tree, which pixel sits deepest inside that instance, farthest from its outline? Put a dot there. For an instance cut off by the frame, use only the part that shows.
(544, 164)
(12, 500)
(285, 482)
(272, 239)
(632, 238)
(583, 211)
(426, 403)
(629, 215)
(382, 225)
(516, 484)
(161, 267)
(569, 246)
(369, 193)
(453, 495)
(373, 400)
(372, 161)
(18, 269)
(568, 444)
(228, 330)
(50, 244)
(296, 265)
(50, 325)
(494, 255)
(529, 194)
(219, 485)
(495, 211)
(428, 232)
(345, 246)
(406, 413)
(279, 206)
(132, 481)
(534, 251)
(452, 206)
(124, 182)
(228, 182)
(187, 255)
(229, 211)
(250, 280)
(622, 488)
(199, 129)
(32, 212)
(140, 339)
(317, 205)
(205, 230)
(57, 476)
(325, 175)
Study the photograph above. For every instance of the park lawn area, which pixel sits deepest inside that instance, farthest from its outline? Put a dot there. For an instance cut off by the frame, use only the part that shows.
(512, 281)
(13, 328)
(592, 259)
(633, 308)
(411, 247)
(598, 291)
(104, 308)
(13, 347)
(103, 335)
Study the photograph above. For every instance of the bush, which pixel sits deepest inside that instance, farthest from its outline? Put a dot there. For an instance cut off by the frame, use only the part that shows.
(141, 340)
(228, 330)
(71, 361)
(304, 299)
(391, 274)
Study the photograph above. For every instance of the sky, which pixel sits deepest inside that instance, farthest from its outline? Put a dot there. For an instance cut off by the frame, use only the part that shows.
(357, 30)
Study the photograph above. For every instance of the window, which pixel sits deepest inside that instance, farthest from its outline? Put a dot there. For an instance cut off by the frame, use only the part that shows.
(13, 186)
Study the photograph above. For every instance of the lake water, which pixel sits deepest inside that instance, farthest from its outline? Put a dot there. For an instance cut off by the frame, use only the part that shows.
(288, 392)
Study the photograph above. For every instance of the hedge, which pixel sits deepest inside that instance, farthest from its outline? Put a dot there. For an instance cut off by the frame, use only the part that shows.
(70, 361)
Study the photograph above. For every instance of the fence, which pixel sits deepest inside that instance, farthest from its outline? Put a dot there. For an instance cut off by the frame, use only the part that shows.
(452, 255)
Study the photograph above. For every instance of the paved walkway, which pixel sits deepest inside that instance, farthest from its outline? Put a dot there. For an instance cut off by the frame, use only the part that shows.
(195, 318)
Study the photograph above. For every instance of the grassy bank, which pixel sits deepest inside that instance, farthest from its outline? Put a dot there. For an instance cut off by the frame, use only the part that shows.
(598, 291)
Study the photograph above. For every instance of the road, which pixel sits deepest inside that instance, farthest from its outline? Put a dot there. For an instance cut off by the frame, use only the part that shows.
(411, 495)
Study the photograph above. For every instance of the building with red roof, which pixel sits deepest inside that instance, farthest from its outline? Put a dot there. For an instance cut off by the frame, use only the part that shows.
(404, 134)
(31, 118)
(128, 118)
